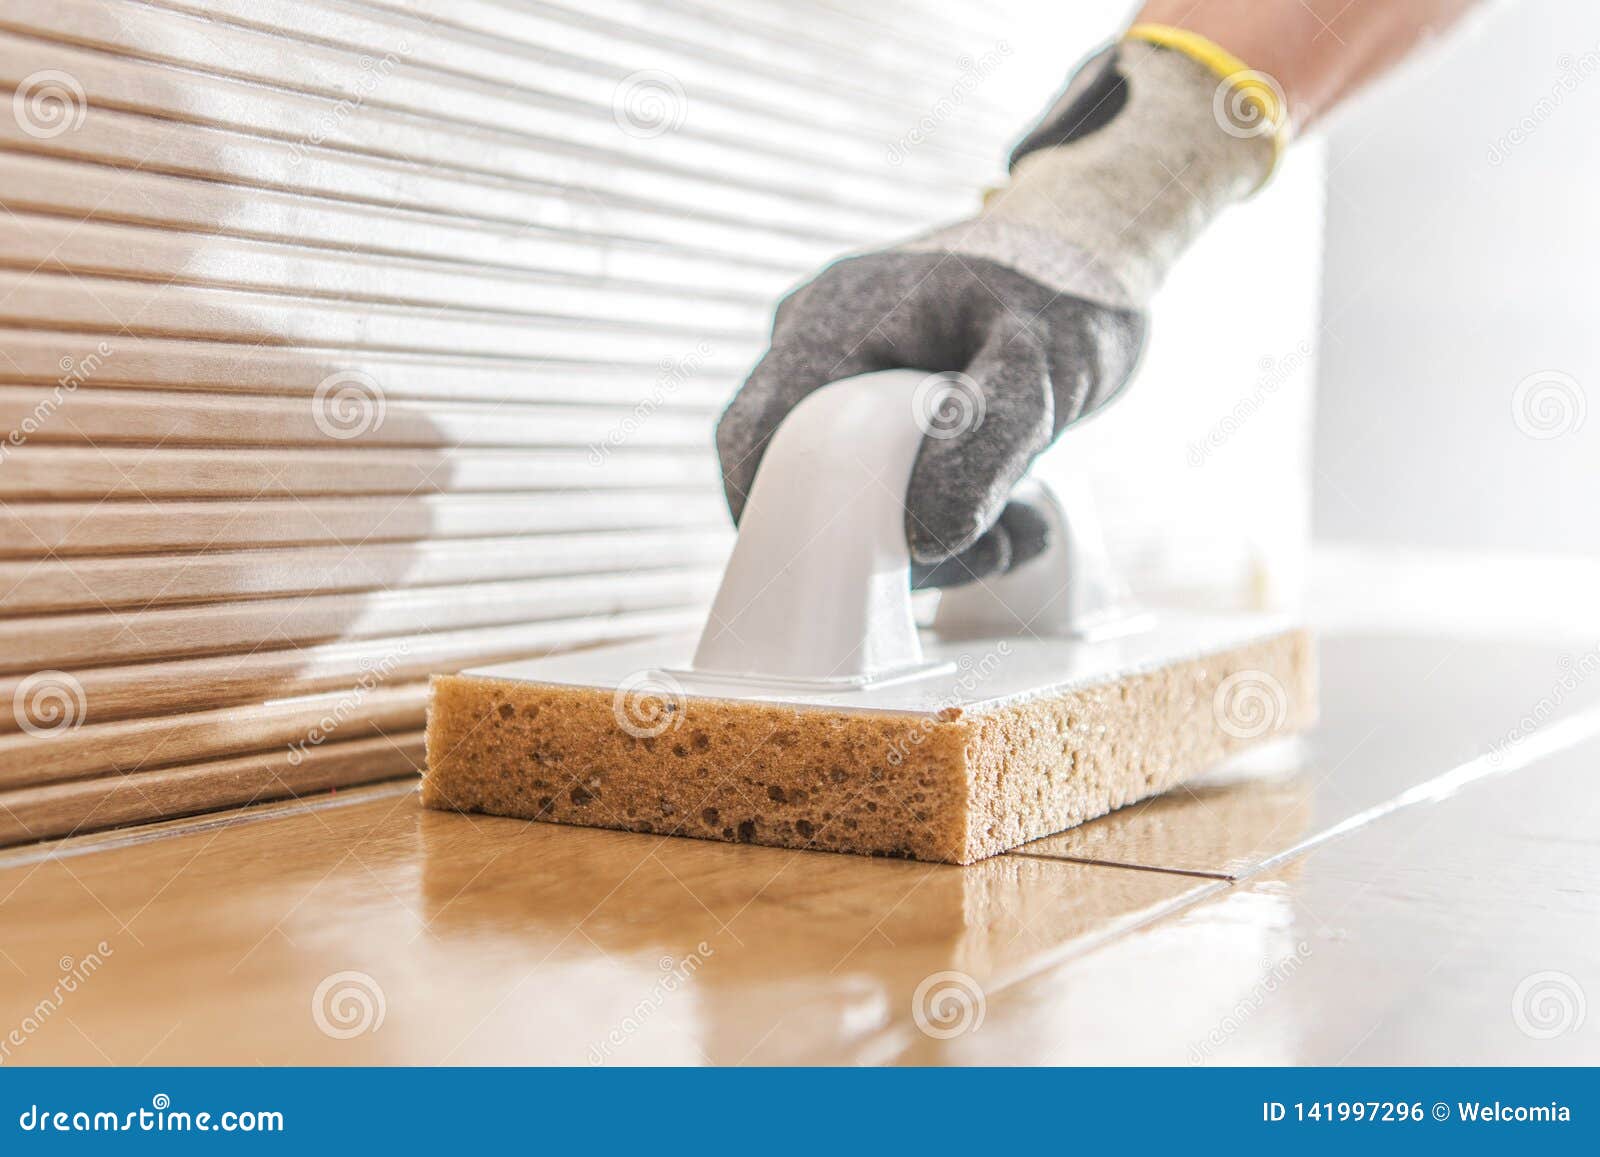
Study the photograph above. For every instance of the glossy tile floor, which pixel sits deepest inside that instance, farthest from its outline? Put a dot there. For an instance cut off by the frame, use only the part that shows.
(1416, 881)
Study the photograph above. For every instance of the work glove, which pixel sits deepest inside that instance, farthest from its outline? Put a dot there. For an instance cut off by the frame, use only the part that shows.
(1033, 311)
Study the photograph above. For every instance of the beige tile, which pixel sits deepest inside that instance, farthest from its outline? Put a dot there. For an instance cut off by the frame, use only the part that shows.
(1396, 713)
(500, 941)
(1420, 939)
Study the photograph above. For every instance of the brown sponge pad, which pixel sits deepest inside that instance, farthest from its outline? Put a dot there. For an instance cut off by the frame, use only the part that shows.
(956, 786)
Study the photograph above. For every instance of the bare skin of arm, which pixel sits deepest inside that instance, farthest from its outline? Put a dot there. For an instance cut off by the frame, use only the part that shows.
(1319, 51)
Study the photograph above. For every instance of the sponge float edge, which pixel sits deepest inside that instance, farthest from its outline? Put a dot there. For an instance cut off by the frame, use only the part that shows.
(954, 785)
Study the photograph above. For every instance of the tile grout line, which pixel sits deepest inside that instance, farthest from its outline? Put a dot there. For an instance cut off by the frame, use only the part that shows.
(1562, 736)
(1565, 735)
(1192, 873)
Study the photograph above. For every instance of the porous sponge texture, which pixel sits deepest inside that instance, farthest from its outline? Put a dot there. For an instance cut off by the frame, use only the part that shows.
(953, 787)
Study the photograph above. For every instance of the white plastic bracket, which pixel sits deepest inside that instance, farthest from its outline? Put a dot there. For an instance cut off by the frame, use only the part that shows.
(1070, 589)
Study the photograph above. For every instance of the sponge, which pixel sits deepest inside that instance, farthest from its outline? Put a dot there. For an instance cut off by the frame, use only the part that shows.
(953, 785)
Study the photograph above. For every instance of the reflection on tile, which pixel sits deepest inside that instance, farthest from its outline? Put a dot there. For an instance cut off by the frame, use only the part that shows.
(1461, 931)
(486, 940)
(1396, 712)
(1217, 827)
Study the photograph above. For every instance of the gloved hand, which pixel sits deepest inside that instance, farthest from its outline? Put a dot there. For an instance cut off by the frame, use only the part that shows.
(1036, 307)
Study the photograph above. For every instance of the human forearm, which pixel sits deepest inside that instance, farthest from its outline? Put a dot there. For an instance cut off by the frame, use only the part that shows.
(1318, 51)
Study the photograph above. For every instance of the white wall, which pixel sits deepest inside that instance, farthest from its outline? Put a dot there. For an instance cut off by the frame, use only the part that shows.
(1463, 247)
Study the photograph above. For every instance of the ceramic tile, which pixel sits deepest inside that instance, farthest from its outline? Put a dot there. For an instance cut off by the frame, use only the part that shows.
(1460, 931)
(1396, 713)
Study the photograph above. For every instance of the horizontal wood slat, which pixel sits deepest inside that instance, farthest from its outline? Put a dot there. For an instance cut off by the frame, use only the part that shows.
(357, 712)
(143, 580)
(69, 472)
(36, 529)
(93, 639)
(91, 805)
(68, 301)
(110, 417)
(698, 373)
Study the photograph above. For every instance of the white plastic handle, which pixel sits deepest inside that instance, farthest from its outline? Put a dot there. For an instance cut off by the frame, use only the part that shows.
(817, 587)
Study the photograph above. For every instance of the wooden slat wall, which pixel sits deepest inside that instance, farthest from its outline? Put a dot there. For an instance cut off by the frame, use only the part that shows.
(346, 342)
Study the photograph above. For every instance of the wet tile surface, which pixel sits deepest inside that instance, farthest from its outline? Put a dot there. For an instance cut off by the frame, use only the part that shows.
(1396, 713)
(1463, 931)
(490, 940)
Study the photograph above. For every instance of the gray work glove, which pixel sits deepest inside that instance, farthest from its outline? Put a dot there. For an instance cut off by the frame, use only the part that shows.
(1036, 306)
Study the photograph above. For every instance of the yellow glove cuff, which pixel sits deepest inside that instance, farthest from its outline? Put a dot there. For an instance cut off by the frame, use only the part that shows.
(1252, 105)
